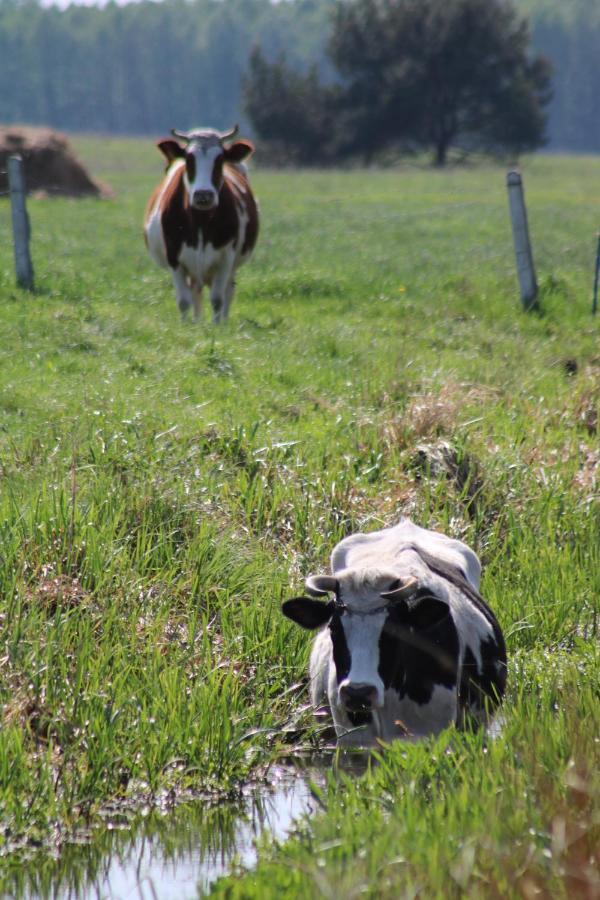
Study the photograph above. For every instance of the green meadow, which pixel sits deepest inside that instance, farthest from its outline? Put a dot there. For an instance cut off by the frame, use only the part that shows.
(165, 485)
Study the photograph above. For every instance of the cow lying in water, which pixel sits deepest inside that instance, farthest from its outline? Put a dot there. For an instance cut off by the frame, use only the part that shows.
(202, 220)
(410, 646)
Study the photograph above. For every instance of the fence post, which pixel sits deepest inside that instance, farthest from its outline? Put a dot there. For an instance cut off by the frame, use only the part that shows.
(524, 256)
(596, 278)
(20, 223)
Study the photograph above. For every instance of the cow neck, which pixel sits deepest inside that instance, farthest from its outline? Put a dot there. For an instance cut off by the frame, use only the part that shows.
(203, 216)
(456, 577)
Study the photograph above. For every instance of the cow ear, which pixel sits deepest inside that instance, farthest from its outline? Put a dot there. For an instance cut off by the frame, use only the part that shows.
(427, 611)
(307, 613)
(171, 149)
(235, 153)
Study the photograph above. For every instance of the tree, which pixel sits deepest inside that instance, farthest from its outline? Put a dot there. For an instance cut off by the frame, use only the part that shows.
(440, 73)
(289, 110)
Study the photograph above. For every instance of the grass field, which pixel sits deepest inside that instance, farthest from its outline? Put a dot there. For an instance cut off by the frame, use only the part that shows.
(165, 486)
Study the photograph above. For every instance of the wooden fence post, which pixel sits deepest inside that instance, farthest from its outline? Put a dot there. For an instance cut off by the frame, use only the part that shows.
(20, 223)
(524, 256)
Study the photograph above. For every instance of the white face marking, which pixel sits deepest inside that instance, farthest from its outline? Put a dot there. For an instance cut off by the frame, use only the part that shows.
(205, 161)
(362, 638)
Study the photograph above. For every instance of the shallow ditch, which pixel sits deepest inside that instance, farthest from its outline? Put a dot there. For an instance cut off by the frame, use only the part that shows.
(174, 855)
(178, 853)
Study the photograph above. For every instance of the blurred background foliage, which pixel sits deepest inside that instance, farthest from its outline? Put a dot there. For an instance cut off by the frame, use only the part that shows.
(145, 67)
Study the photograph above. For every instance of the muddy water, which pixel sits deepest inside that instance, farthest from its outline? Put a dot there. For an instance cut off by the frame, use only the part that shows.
(173, 856)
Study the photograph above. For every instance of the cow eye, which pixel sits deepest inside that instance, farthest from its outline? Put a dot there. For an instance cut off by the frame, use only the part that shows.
(190, 165)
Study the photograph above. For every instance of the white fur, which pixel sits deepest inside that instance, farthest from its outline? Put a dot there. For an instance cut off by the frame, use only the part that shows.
(383, 547)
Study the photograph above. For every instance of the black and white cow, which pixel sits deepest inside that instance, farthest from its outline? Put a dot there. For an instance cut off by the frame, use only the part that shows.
(410, 646)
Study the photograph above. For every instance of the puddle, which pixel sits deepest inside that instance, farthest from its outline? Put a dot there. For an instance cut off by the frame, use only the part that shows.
(170, 856)
(178, 854)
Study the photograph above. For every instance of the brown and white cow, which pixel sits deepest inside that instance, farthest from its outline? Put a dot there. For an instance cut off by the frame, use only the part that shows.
(202, 221)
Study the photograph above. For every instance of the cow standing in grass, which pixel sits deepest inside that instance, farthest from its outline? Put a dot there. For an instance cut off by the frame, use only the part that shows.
(410, 646)
(202, 220)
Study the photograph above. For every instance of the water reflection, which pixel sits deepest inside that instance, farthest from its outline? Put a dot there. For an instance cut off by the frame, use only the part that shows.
(172, 856)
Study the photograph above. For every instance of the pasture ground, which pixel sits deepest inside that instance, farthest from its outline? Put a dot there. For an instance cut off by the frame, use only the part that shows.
(164, 487)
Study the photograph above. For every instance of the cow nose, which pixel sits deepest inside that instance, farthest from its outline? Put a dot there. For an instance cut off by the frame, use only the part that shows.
(358, 696)
(202, 198)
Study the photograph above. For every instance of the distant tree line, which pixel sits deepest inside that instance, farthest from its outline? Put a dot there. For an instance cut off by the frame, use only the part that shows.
(146, 67)
(143, 67)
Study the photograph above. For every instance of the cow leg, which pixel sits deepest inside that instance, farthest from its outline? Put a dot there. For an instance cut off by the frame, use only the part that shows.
(197, 299)
(183, 291)
(229, 295)
(222, 288)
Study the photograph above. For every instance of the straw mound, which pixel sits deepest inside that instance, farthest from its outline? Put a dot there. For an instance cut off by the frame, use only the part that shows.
(51, 167)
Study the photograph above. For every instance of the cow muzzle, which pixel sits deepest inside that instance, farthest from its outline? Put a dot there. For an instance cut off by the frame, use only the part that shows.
(358, 697)
(204, 200)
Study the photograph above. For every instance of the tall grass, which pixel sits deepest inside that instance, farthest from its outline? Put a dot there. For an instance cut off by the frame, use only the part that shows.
(165, 486)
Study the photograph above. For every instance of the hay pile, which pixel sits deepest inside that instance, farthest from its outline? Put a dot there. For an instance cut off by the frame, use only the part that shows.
(51, 167)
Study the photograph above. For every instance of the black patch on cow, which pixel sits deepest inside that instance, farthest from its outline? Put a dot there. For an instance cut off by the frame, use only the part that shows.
(492, 679)
(469, 693)
(481, 689)
(221, 225)
(341, 653)
(177, 223)
(415, 657)
(217, 172)
(306, 612)
(457, 577)
(190, 166)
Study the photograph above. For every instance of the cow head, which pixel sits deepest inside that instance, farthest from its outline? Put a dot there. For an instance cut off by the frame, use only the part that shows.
(369, 614)
(205, 152)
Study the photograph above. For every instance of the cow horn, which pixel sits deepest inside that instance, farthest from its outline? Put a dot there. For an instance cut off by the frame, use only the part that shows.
(318, 585)
(404, 590)
(229, 135)
(183, 135)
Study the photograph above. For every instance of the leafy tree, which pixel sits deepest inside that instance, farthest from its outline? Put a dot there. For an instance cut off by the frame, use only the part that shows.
(288, 109)
(440, 73)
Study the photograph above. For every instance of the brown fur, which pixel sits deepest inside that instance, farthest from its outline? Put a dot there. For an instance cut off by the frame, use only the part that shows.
(182, 224)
